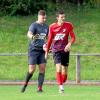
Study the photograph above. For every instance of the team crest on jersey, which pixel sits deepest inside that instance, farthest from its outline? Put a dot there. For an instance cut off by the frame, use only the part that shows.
(64, 30)
(59, 37)
(45, 30)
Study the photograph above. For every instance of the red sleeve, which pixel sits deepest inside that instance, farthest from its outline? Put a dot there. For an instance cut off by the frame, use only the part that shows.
(50, 38)
(72, 34)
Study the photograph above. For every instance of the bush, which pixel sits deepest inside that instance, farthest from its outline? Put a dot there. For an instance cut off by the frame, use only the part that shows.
(22, 7)
(27, 7)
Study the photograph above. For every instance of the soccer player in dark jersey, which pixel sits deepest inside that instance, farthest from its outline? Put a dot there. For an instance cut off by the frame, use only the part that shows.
(37, 33)
(59, 33)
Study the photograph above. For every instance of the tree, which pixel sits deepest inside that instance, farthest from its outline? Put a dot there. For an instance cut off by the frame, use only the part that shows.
(80, 2)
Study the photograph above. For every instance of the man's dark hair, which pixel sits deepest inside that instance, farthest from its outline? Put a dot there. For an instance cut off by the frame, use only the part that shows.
(42, 12)
(59, 12)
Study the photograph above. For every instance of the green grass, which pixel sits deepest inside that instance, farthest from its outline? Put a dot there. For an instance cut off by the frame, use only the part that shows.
(50, 93)
(13, 38)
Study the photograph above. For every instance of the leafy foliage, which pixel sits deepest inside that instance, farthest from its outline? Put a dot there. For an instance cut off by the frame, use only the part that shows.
(28, 7)
(22, 7)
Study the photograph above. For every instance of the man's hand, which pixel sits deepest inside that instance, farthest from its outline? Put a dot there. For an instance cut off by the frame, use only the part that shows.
(46, 55)
(68, 47)
(45, 47)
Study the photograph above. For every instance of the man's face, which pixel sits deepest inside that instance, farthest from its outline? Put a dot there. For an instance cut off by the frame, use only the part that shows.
(61, 18)
(42, 18)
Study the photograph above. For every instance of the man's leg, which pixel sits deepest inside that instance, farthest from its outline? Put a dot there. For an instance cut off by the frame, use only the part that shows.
(64, 63)
(57, 60)
(28, 76)
(59, 78)
(58, 74)
(41, 76)
(64, 73)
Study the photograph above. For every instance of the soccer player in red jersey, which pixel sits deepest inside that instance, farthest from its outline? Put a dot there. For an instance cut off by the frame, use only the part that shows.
(59, 33)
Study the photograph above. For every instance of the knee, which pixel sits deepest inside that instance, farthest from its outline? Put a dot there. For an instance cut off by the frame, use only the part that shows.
(58, 67)
(31, 68)
(42, 70)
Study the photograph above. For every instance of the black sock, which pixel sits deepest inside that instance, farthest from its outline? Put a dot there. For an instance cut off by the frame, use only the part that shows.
(40, 79)
(28, 76)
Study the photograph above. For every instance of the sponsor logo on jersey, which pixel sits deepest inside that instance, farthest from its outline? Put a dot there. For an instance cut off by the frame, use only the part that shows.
(59, 36)
(42, 36)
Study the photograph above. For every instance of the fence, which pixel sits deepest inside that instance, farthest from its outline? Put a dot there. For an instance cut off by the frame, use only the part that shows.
(78, 60)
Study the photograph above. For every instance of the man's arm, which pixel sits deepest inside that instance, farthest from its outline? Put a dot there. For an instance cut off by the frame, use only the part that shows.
(68, 46)
(72, 35)
(50, 38)
(31, 36)
(49, 42)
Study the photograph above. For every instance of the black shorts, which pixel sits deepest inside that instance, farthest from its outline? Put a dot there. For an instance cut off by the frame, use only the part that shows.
(61, 57)
(36, 57)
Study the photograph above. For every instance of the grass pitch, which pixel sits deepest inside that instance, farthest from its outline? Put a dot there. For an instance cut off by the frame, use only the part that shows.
(72, 92)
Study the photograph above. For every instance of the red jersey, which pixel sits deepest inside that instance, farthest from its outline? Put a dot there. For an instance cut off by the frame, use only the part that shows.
(58, 36)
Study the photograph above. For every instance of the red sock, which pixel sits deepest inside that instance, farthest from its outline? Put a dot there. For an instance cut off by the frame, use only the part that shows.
(39, 87)
(64, 78)
(59, 78)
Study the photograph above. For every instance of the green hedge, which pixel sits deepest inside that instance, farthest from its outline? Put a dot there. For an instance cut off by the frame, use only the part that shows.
(22, 7)
(30, 7)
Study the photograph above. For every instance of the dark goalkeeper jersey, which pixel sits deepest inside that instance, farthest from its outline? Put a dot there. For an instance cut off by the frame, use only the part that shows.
(42, 30)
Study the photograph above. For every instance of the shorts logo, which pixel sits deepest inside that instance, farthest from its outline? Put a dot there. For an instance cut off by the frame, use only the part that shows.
(59, 36)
